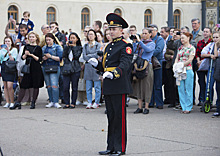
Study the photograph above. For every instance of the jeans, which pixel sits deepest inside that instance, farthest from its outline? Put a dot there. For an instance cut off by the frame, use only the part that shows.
(212, 81)
(97, 86)
(61, 83)
(157, 96)
(185, 91)
(218, 96)
(74, 78)
(51, 80)
(202, 84)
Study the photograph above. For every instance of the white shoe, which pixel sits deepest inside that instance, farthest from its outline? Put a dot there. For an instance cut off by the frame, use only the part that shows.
(57, 105)
(85, 103)
(95, 105)
(11, 105)
(89, 106)
(78, 103)
(49, 105)
(6, 105)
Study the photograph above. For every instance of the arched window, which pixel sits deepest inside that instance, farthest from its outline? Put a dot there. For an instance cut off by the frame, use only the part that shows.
(85, 18)
(13, 12)
(118, 12)
(147, 18)
(51, 15)
(176, 17)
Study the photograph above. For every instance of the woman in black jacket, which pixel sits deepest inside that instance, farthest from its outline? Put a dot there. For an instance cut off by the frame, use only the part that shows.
(71, 54)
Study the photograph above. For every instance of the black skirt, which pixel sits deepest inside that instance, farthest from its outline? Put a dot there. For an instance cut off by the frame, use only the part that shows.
(7, 76)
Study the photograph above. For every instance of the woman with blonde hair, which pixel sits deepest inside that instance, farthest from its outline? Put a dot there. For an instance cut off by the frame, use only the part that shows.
(34, 78)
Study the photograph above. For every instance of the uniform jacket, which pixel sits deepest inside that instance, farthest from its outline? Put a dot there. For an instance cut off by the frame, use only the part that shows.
(76, 51)
(90, 72)
(117, 60)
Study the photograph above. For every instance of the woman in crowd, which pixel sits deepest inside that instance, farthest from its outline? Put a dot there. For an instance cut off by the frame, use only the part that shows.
(32, 53)
(71, 54)
(185, 55)
(100, 39)
(208, 52)
(90, 50)
(145, 86)
(8, 53)
(52, 55)
(107, 36)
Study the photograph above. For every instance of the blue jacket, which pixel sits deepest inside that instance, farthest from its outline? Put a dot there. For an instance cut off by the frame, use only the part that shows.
(55, 50)
(158, 52)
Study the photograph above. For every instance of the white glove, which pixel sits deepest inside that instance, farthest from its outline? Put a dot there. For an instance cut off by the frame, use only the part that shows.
(108, 75)
(93, 61)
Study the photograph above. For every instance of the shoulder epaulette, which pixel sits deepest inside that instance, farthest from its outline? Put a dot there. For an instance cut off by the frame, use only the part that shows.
(125, 41)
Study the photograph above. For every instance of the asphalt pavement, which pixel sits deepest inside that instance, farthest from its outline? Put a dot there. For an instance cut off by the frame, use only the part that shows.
(83, 132)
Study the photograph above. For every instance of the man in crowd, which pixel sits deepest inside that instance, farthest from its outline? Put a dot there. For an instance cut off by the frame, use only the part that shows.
(133, 30)
(85, 32)
(116, 84)
(55, 29)
(14, 36)
(126, 35)
(45, 29)
(197, 36)
(105, 26)
(207, 33)
(97, 25)
(23, 31)
(165, 34)
(157, 96)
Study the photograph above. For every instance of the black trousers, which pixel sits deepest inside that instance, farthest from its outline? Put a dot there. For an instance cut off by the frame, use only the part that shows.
(117, 129)
(165, 81)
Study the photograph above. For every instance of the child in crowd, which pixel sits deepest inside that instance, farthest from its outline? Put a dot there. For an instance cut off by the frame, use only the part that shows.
(25, 20)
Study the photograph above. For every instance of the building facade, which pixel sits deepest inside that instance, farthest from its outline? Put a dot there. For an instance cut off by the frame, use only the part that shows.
(75, 14)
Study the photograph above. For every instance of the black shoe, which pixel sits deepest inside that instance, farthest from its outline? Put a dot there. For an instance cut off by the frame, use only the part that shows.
(159, 107)
(171, 105)
(66, 106)
(138, 111)
(107, 152)
(72, 106)
(146, 111)
(117, 153)
(166, 102)
(17, 104)
(32, 105)
(200, 103)
(151, 106)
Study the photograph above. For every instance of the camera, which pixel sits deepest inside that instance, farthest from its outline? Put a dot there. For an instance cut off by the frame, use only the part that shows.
(3, 46)
(70, 42)
(178, 33)
(133, 37)
(100, 53)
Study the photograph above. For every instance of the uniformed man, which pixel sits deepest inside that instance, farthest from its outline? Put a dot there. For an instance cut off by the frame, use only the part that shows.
(115, 64)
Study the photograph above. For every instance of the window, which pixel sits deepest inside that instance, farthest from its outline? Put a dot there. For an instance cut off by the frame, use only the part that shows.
(85, 18)
(51, 15)
(118, 12)
(147, 18)
(13, 11)
(176, 17)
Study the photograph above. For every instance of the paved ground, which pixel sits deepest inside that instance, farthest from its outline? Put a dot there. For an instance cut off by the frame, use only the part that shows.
(78, 132)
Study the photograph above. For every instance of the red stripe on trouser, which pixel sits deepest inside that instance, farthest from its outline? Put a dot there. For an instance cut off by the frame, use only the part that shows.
(123, 123)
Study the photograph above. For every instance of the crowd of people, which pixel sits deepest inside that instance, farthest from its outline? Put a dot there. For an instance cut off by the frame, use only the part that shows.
(59, 59)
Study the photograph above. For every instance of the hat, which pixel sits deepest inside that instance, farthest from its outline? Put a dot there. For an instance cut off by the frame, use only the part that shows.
(115, 20)
(153, 26)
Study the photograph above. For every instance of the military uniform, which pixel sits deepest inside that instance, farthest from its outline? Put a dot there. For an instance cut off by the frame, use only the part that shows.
(117, 59)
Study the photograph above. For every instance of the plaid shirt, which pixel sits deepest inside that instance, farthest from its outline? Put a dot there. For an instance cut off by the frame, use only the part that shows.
(201, 44)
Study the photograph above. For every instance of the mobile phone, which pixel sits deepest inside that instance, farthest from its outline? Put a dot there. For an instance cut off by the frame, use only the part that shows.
(11, 16)
(3, 46)
(70, 42)
(218, 25)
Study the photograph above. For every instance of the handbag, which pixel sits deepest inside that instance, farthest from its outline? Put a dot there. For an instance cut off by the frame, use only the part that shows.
(155, 63)
(26, 68)
(67, 69)
(82, 85)
(10, 66)
(141, 68)
(204, 66)
(51, 69)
